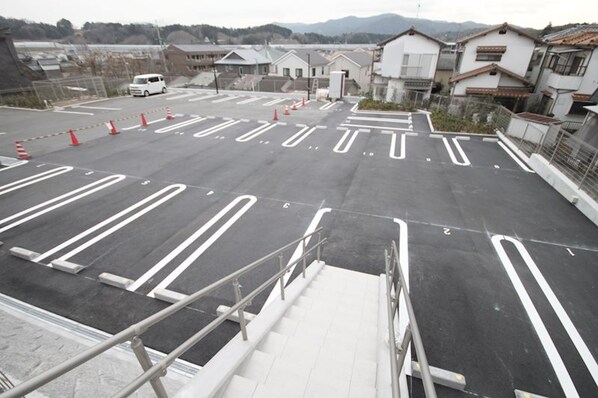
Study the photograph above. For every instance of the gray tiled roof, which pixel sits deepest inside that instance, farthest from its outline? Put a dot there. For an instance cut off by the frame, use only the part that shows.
(249, 57)
(359, 57)
(197, 48)
(315, 58)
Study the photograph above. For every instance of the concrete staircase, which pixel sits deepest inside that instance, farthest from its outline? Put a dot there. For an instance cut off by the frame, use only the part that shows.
(324, 342)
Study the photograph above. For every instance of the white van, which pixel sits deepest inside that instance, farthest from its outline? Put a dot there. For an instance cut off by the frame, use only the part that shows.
(144, 85)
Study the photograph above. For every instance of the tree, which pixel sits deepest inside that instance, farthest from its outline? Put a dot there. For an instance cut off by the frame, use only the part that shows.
(65, 27)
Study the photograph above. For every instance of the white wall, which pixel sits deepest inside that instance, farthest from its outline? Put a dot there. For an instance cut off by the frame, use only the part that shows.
(516, 59)
(293, 62)
(590, 79)
(393, 52)
(359, 74)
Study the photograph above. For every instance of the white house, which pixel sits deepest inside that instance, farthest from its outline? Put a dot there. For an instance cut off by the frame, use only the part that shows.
(356, 65)
(494, 63)
(569, 72)
(296, 63)
(407, 62)
(244, 61)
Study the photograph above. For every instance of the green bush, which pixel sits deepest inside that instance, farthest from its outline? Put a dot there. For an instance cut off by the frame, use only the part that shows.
(444, 121)
(23, 101)
(372, 105)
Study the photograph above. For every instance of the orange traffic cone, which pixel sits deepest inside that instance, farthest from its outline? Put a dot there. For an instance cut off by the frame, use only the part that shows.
(112, 128)
(21, 152)
(286, 110)
(169, 115)
(302, 101)
(275, 115)
(74, 140)
(143, 120)
(294, 107)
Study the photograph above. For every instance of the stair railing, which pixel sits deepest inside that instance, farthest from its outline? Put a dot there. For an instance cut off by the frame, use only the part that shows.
(395, 285)
(153, 372)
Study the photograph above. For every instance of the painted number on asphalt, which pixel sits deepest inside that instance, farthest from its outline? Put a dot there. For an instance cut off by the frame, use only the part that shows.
(89, 173)
(145, 182)
(447, 231)
(570, 252)
(286, 205)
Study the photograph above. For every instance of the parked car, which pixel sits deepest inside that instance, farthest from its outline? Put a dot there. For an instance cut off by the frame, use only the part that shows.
(144, 85)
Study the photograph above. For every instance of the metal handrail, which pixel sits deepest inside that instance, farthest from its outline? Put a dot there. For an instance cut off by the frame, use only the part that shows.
(411, 333)
(153, 372)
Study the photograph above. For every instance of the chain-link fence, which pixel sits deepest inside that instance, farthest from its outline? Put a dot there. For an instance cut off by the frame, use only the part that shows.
(75, 88)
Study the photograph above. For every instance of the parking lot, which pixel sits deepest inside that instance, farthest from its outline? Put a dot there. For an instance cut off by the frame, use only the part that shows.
(502, 269)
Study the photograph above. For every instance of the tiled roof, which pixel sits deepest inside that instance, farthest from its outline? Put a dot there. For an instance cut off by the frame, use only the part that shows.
(412, 31)
(499, 92)
(534, 117)
(487, 69)
(357, 57)
(581, 97)
(249, 57)
(583, 38)
(498, 27)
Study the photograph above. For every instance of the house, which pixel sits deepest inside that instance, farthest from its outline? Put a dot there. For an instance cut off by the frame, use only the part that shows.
(191, 59)
(296, 63)
(568, 74)
(246, 61)
(356, 65)
(494, 63)
(404, 63)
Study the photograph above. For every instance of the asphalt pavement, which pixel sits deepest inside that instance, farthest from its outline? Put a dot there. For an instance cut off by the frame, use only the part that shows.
(242, 185)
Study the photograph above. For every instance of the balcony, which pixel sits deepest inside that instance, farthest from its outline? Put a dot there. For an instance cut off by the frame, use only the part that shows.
(564, 82)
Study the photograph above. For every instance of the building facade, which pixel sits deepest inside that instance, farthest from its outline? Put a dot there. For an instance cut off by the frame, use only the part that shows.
(191, 59)
(244, 61)
(568, 74)
(298, 63)
(494, 63)
(405, 63)
(356, 65)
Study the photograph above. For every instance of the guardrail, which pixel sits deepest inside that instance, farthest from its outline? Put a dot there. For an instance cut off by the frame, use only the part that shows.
(153, 372)
(395, 279)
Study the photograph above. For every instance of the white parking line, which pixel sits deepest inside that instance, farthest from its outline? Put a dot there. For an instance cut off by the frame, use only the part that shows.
(95, 107)
(74, 113)
(213, 129)
(16, 164)
(204, 97)
(465, 161)
(551, 351)
(393, 147)
(337, 148)
(327, 106)
(515, 158)
(180, 96)
(247, 101)
(299, 136)
(180, 125)
(375, 127)
(275, 101)
(178, 188)
(13, 186)
(106, 182)
(297, 254)
(256, 132)
(229, 98)
(148, 123)
(251, 200)
(375, 119)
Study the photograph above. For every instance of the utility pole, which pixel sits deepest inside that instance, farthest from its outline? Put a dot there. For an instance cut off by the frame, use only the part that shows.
(161, 48)
(214, 70)
(308, 75)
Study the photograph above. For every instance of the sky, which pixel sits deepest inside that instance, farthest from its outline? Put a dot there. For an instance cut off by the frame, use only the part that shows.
(237, 13)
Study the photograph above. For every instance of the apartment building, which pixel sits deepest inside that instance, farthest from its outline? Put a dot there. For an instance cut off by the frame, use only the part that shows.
(191, 59)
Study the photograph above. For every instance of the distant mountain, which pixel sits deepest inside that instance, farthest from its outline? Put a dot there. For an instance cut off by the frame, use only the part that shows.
(389, 24)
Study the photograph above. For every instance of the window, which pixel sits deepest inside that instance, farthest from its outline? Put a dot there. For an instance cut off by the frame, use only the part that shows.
(286, 72)
(346, 73)
(313, 71)
(154, 79)
(322, 71)
(240, 70)
(265, 70)
(299, 72)
(488, 57)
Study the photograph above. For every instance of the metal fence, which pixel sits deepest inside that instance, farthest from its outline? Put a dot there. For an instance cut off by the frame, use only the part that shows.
(576, 159)
(73, 88)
